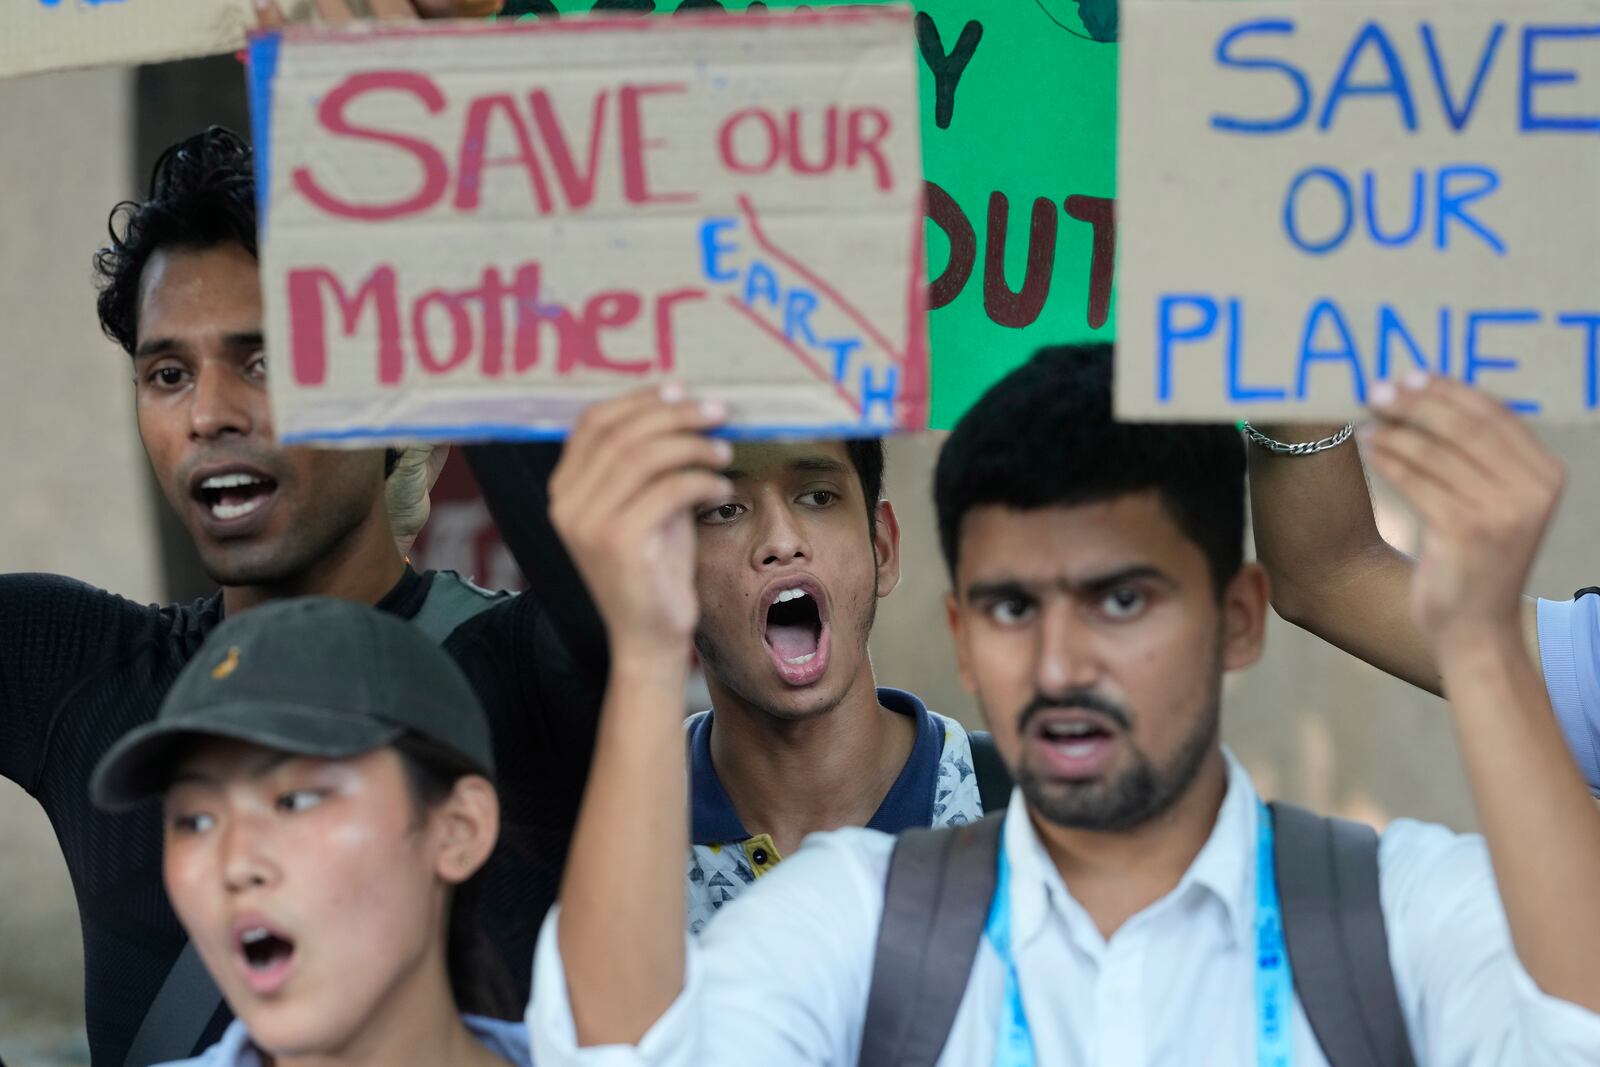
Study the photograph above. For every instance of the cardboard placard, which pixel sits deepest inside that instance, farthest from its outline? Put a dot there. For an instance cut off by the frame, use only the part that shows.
(42, 35)
(1018, 142)
(475, 230)
(1315, 197)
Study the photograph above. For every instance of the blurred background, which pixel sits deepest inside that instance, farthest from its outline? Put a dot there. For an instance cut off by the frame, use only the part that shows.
(1312, 725)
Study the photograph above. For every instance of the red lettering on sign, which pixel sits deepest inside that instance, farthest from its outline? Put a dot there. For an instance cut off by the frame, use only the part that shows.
(449, 328)
(435, 169)
(635, 179)
(578, 187)
(308, 337)
(855, 143)
(475, 153)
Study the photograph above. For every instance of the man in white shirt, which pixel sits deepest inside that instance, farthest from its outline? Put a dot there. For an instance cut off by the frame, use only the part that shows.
(1100, 595)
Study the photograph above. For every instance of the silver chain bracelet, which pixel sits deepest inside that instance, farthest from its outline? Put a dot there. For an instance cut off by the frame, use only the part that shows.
(1299, 448)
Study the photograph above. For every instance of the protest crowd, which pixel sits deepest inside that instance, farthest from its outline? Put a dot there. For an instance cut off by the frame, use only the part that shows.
(657, 805)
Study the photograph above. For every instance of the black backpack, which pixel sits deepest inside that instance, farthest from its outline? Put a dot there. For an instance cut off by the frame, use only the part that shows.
(941, 882)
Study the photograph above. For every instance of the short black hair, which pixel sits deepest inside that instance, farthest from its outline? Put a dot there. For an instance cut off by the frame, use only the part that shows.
(1044, 436)
(202, 194)
(866, 456)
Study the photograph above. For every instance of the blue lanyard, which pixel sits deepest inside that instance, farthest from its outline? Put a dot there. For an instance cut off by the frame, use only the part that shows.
(1274, 981)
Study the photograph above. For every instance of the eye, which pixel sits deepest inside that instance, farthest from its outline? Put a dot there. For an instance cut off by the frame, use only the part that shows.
(1123, 603)
(819, 498)
(192, 822)
(722, 514)
(166, 376)
(256, 367)
(1012, 611)
(298, 800)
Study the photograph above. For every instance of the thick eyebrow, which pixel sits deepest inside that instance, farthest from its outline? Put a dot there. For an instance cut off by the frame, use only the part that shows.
(166, 346)
(1015, 588)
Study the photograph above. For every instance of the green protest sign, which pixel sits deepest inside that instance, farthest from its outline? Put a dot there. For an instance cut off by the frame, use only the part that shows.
(1019, 127)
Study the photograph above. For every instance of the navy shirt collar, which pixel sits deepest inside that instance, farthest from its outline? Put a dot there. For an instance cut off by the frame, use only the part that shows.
(908, 804)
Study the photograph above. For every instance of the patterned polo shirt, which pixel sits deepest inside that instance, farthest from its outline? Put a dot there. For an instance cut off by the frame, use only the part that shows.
(937, 787)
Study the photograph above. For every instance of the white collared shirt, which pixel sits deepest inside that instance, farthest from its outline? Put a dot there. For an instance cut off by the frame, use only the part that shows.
(1174, 987)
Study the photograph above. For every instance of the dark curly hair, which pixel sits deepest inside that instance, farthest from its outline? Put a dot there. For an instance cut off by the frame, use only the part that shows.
(202, 194)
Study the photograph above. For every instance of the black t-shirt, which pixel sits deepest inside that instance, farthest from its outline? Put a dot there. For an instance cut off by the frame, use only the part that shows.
(79, 667)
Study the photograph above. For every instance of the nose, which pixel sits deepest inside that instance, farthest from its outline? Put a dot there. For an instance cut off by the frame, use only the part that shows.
(246, 856)
(1067, 657)
(220, 403)
(781, 539)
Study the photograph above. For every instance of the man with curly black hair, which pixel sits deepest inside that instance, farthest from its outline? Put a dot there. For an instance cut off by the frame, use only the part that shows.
(80, 667)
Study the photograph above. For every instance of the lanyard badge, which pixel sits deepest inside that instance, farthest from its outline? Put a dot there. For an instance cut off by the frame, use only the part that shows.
(1274, 980)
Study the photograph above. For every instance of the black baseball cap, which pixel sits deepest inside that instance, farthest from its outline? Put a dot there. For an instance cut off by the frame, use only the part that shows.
(314, 676)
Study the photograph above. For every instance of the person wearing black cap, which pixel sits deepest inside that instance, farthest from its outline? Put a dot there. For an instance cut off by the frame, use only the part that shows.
(326, 774)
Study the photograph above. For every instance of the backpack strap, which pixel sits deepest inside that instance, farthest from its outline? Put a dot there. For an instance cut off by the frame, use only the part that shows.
(1333, 926)
(179, 1015)
(188, 998)
(994, 780)
(451, 601)
(935, 904)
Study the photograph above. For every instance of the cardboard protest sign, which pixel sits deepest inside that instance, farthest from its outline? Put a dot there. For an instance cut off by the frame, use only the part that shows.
(54, 34)
(1018, 138)
(1315, 197)
(475, 230)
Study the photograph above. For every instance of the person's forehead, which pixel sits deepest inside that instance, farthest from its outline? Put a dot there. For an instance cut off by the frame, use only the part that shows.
(772, 460)
(1062, 542)
(224, 758)
(187, 292)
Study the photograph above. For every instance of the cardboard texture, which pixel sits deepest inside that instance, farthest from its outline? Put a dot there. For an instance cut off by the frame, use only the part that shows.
(1317, 196)
(1018, 143)
(475, 230)
(41, 35)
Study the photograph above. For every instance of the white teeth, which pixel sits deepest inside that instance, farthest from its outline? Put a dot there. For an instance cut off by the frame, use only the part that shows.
(790, 594)
(234, 511)
(798, 660)
(229, 481)
(250, 937)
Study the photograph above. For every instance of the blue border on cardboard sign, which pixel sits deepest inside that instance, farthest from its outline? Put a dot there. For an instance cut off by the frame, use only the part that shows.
(500, 431)
(263, 69)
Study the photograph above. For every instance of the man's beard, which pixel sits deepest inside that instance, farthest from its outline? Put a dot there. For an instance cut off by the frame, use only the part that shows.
(1133, 797)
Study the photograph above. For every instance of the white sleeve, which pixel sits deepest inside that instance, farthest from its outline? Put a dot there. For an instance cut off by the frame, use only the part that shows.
(780, 976)
(1569, 654)
(1468, 1001)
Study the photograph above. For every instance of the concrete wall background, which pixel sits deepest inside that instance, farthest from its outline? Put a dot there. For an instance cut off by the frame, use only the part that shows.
(72, 479)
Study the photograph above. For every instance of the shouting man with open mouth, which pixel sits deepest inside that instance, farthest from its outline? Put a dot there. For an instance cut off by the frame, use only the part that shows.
(792, 559)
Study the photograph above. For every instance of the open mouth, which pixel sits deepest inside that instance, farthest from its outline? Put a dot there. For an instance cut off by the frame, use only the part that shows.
(796, 634)
(234, 495)
(264, 949)
(268, 956)
(794, 627)
(1076, 746)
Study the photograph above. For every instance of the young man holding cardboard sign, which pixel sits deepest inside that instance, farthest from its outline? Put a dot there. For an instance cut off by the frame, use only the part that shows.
(1135, 905)
(793, 549)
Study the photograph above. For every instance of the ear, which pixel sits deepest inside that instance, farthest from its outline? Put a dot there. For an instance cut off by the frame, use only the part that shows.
(952, 616)
(466, 827)
(886, 546)
(1244, 617)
